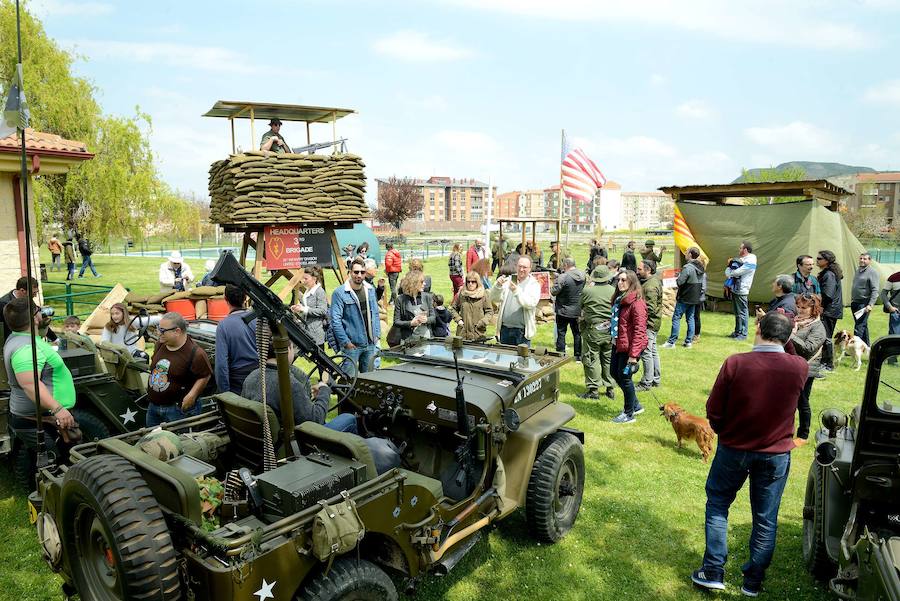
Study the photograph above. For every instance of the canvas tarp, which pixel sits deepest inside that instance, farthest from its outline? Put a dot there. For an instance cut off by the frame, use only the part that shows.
(779, 234)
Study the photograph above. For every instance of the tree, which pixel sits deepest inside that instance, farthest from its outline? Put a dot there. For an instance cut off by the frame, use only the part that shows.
(772, 174)
(118, 192)
(398, 201)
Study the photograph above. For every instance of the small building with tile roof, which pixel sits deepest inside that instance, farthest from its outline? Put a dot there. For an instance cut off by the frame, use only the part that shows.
(47, 154)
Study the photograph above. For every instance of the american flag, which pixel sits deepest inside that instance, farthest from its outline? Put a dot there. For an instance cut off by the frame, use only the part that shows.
(580, 176)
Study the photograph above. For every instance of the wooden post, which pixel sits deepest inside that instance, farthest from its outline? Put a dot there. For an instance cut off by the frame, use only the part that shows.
(252, 130)
(308, 138)
(339, 267)
(233, 146)
(260, 254)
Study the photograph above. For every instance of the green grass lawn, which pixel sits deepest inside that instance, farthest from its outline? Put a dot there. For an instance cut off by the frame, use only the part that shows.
(640, 531)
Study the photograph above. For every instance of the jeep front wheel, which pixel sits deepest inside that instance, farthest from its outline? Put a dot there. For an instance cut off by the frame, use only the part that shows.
(555, 488)
(114, 533)
(815, 554)
(350, 579)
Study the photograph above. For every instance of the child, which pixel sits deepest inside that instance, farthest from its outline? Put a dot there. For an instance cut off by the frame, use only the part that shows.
(70, 334)
(442, 318)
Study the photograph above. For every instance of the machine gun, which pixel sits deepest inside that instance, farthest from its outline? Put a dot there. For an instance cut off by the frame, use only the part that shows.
(282, 323)
(463, 428)
(311, 148)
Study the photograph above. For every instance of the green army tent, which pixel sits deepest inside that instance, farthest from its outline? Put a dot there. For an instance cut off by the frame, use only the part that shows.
(779, 234)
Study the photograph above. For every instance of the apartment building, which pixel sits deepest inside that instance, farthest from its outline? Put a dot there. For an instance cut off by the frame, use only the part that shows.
(879, 192)
(645, 210)
(460, 202)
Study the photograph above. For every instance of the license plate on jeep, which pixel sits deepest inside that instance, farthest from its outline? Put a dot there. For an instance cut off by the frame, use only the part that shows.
(32, 513)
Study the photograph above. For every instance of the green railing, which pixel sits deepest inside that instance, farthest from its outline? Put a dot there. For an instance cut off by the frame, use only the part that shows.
(75, 295)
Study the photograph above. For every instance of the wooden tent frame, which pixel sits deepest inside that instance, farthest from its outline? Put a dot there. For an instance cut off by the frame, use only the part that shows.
(533, 221)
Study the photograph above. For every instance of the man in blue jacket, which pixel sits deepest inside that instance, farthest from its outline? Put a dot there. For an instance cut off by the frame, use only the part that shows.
(354, 317)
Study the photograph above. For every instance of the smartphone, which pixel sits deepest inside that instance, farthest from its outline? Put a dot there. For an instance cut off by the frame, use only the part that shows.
(514, 278)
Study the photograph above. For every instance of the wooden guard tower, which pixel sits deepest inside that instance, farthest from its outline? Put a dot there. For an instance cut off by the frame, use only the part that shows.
(254, 232)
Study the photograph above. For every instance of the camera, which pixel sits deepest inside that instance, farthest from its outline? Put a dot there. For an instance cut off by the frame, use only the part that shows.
(48, 311)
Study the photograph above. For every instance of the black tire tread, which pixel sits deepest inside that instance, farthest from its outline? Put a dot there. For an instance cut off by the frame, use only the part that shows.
(345, 573)
(816, 558)
(140, 537)
(539, 512)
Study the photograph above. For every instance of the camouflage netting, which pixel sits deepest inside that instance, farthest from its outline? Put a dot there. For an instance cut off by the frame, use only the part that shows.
(262, 187)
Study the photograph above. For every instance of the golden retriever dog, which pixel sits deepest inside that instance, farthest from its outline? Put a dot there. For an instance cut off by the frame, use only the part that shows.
(851, 345)
(689, 426)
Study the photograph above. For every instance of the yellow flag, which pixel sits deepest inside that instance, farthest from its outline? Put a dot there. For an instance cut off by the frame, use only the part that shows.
(684, 239)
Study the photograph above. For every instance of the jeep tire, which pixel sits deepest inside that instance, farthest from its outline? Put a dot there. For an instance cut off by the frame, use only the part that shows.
(349, 579)
(92, 427)
(114, 533)
(555, 488)
(815, 554)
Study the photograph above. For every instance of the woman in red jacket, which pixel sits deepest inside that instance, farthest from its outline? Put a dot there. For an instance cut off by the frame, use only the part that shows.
(628, 327)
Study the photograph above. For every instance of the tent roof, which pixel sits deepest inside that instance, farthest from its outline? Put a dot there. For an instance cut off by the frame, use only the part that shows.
(820, 189)
(238, 109)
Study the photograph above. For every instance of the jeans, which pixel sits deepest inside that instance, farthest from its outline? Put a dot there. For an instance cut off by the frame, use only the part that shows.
(514, 336)
(768, 474)
(893, 328)
(741, 309)
(650, 360)
(697, 313)
(85, 263)
(158, 414)
(71, 268)
(55, 264)
(562, 324)
(345, 422)
(617, 364)
(361, 357)
(688, 312)
(392, 281)
(804, 410)
(861, 325)
(828, 347)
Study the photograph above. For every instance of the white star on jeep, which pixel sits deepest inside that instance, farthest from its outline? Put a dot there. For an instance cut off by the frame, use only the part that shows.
(265, 592)
(128, 416)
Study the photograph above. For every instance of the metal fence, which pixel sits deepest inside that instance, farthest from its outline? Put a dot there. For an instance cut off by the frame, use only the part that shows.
(68, 295)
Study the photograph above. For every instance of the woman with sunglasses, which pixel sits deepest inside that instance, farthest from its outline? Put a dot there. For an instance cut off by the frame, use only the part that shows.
(414, 310)
(472, 309)
(628, 328)
(832, 301)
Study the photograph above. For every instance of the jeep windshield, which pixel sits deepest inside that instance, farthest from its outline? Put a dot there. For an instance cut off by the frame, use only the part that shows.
(484, 357)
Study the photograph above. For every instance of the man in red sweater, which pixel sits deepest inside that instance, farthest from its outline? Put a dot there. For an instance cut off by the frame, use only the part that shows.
(393, 265)
(751, 408)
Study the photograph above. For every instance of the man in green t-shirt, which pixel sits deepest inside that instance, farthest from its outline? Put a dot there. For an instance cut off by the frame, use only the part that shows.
(273, 140)
(56, 387)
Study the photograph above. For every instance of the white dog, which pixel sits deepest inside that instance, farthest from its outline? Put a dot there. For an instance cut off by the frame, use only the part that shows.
(851, 345)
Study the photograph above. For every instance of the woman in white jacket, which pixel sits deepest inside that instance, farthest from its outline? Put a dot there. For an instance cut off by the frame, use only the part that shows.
(121, 330)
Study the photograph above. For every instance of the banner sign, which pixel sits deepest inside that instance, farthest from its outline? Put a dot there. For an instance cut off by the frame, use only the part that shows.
(294, 246)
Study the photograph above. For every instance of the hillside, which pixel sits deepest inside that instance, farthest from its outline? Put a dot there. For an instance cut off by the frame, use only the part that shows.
(815, 170)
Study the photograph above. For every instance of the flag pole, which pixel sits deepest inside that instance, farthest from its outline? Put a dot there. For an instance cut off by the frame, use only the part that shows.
(561, 251)
(42, 458)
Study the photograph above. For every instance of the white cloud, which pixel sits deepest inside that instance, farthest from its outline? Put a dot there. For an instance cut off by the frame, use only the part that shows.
(795, 138)
(632, 146)
(658, 80)
(694, 109)
(418, 47)
(887, 92)
(748, 22)
(59, 8)
(185, 56)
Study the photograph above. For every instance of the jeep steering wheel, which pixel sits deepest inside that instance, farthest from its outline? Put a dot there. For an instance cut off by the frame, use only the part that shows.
(343, 387)
(132, 336)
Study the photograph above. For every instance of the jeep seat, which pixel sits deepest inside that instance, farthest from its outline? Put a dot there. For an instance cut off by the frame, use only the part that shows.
(311, 434)
(243, 421)
(122, 366)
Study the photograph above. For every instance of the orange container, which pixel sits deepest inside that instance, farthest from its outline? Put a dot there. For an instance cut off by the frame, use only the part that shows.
(185, 306)
(216, 309)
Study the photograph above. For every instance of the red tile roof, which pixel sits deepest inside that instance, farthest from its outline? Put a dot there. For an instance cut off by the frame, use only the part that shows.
(37, 142)
(884, 177)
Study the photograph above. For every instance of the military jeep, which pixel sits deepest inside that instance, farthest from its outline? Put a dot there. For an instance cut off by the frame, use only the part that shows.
(478, 430)
(851, 515)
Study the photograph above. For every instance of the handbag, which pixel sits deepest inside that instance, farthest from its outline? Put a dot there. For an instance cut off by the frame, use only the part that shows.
(394, 336)
(336, 528)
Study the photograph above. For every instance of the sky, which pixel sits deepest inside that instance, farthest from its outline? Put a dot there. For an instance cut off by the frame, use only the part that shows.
(656, 92)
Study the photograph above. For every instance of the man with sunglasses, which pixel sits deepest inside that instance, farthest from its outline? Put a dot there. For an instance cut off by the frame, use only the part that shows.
(805, 283)
(354, 317)
(179, 371)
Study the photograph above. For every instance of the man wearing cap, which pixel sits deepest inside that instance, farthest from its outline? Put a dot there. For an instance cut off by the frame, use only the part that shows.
(596, 340)
(648, 254)
(272, 140)
(175, 275)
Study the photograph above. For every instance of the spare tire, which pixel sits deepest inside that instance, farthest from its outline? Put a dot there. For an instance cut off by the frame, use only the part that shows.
(114, 534)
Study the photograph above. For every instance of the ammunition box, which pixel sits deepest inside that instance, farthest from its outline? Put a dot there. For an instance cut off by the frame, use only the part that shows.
(300, 484)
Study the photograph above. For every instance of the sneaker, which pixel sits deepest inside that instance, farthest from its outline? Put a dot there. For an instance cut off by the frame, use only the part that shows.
(610, 393)
(623, 418)
(669, 345)
(638, 409)
(827, 368)
(642, 387)
(740, 338)
(700, 578)
(588, 394)
(655, 384)
(750, 589)
(688, 344)
(733, 335)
